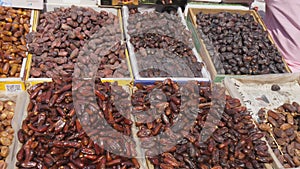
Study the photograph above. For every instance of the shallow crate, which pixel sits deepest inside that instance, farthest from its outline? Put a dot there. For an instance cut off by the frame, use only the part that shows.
(133, 58)
(213, 63)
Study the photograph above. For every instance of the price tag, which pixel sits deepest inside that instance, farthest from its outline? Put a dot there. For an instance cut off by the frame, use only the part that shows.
(30, 4)
(13, 87)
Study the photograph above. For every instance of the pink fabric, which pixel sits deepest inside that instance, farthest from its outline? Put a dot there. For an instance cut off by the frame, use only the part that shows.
(283, 22)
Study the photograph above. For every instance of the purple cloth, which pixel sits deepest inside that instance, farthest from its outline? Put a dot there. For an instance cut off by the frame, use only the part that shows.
(283, 22)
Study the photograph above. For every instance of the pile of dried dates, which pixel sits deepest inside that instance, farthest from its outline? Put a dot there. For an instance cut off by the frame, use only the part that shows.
(163, 56)
(54, 133)
(223, 134)
(283, 133)
(60, 36)
(14, 26)
(164, 25)
(158, 47)
(238, 44)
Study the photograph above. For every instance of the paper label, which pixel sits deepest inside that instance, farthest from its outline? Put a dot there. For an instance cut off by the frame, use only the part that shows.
(13, 87)
(31, 4)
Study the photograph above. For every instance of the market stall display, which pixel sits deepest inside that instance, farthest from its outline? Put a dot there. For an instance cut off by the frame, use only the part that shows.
(125, 87)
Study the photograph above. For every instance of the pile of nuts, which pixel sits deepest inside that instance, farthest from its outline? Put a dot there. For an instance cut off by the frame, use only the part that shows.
(238, 44)
(14, 26)
(281, 127)
(60, 36)
(223, 134)
(54, 133)
(7, 110)
(162, 56)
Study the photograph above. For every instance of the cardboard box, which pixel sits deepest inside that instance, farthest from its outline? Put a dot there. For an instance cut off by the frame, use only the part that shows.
(117, 2)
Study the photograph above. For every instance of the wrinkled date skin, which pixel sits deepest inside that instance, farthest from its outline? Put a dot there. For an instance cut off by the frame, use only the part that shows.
(231, 142)
(238, 44)
(168, 56)
(14, 26)
(283, 125)
(60, 36)
(52, 135)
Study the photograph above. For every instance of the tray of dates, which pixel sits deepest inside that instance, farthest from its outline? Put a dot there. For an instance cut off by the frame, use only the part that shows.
(235, 42)
(86, 41)
(75, 124)
(163, 50)
(196, 126)
(15, 25)
(11, 112)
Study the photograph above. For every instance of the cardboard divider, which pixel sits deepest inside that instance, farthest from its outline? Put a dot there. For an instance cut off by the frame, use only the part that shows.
(250, 90)
(192, 12)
